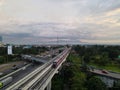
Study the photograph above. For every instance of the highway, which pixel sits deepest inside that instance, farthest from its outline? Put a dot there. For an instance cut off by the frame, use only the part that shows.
(9, 69)
(22, 73)
(107, 74)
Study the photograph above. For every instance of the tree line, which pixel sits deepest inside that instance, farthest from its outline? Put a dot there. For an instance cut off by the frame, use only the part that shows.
(72, 77)
(17, 51)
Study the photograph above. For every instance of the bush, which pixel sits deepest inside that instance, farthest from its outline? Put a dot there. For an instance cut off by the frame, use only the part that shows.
(2, 59)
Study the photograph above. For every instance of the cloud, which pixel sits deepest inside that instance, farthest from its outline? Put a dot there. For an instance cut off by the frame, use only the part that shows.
(41, 32)
(71, 21)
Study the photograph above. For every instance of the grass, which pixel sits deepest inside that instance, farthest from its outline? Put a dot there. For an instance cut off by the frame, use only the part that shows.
(113, 68)
(110, 67)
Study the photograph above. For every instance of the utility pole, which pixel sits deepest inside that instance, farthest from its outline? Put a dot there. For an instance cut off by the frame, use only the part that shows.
(57, 39)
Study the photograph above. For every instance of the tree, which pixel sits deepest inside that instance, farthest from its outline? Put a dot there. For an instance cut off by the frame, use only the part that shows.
(78, 81)
(116, 85)
(87, 58)
(101, 59)
(3, 51)
(94, 83)
(2, 59)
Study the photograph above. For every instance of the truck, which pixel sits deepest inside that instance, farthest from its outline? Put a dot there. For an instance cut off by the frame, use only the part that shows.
(5, 81)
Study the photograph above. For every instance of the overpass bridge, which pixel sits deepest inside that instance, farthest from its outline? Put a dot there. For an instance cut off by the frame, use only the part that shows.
(41, 78)
(33, 58)
(109, 78)
(112, 75)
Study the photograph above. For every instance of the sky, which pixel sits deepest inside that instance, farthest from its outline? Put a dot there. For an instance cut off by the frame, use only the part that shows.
(60, 21)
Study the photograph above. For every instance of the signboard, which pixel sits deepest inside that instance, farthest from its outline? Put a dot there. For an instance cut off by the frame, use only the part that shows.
(9, 50)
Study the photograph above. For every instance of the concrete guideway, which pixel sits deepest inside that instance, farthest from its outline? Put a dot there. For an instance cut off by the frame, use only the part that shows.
(37, 78)
(49, 77)
(46, 80)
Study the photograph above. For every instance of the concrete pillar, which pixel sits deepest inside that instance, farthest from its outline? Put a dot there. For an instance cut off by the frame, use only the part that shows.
(49, 86)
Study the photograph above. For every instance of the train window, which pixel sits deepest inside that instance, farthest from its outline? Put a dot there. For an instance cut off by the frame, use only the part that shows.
(54, 64)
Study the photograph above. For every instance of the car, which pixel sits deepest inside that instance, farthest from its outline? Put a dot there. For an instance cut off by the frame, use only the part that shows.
(23, 68)
(14, 67)
(104, 71)
(1, 73)
(25, 63)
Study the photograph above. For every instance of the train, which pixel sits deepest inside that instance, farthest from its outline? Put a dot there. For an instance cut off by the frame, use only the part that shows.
(60, 59)
(5, 81)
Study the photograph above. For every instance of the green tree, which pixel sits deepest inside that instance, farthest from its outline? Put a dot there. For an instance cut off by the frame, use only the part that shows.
(3, 50)
(87, 58)
(94, 83)
(101, 59)
(116, 85)
(78, 81)
(2, 59)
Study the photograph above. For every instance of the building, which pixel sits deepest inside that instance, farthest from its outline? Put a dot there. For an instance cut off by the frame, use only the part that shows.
(9, 49)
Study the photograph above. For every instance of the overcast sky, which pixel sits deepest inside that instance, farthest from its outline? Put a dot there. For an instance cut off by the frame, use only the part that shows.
(71, 21)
